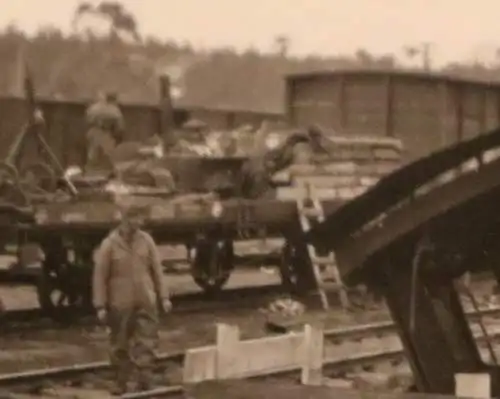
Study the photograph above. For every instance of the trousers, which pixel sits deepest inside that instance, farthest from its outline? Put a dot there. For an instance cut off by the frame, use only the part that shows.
(133, 341)
(100, 146)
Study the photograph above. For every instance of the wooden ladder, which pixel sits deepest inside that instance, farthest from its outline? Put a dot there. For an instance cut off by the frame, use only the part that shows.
(310, 209)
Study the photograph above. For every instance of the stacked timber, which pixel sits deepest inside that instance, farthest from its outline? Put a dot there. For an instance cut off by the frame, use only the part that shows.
(353, 165)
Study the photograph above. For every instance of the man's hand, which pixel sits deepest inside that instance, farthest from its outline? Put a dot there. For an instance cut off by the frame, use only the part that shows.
(166, 305)
(102, 315)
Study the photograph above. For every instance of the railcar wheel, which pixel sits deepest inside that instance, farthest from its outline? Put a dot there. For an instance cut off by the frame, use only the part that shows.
(52, 293)
(8, 174)
(10, 191)
(38, 178)
(212, 264)
(64, 283)
(287, 266)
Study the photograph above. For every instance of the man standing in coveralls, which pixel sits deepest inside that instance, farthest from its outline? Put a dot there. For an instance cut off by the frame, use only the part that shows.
(129, 294)
(105, 129)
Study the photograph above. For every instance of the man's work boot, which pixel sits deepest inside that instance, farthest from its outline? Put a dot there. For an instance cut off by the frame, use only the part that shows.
(120, 386)
(118, 389)
(145, 381)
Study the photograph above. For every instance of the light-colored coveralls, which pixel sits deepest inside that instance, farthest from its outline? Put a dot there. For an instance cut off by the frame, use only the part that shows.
(106, 122)
(128, 284)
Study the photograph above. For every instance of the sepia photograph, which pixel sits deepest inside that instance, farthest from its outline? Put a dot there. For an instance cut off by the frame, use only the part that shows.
(249, 199)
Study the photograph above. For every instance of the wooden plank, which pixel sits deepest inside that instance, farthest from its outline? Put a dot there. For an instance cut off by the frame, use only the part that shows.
(313, 356)
(491, 155)
(267, 354)
(231, 358)
(300, 193)
(228, 342)
(281, 177)
(199, 364)
(327, 181)
(386, 154)
(473, 385)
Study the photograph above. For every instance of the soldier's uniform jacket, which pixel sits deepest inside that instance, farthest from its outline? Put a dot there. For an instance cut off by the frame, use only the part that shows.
(128, 274)
(105, 116)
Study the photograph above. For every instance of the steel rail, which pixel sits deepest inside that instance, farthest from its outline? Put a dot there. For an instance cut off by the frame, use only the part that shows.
(330, 365)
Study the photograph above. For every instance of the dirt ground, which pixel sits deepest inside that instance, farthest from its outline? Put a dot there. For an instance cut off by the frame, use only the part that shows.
(48, 348)
(39, 349)
(24, 297)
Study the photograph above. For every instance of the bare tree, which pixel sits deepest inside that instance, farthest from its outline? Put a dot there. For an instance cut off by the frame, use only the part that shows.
(423, 50)
(282, 43)
(364, 57)
(119, 18)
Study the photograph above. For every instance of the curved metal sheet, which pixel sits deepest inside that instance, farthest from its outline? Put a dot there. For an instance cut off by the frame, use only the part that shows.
(353, 251)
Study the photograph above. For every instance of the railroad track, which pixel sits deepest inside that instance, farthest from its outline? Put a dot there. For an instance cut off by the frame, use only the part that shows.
(346, 350)
(236, 298)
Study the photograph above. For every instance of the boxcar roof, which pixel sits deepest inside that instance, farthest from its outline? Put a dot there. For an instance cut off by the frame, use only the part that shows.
(178, 106)
(429, 76)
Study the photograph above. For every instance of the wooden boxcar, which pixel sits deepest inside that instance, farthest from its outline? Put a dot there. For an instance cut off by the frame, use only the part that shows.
(425, 111)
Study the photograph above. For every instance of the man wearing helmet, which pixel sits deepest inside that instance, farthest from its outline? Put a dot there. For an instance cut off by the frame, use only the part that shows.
(105, 129)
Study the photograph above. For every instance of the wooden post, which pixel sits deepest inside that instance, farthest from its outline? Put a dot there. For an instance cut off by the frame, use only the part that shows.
(497, 107)
(231, 358)
(228, 338)
(199, 365)
(389, 109)
(459, 112)
(166, 112)
(313, 356)
(473, 385)
(444, 114)
(483, 116)
(341, 102)
(290, 100)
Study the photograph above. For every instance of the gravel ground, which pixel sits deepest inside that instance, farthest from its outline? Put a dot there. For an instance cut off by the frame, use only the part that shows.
(77, 345)
(24, 297)
(52, 348)
(31, 349)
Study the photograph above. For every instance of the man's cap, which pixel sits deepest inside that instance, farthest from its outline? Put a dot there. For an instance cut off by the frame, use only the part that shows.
(194, 124)
(111, 96)
(315, 130)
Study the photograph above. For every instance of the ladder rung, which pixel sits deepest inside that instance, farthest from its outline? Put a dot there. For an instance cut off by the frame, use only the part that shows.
(331, 286)
(311, 212)
(305, 224)
(322, 260)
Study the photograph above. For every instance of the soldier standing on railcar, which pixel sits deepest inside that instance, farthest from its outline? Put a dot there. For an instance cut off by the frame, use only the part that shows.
(129, 294)
(106, 125)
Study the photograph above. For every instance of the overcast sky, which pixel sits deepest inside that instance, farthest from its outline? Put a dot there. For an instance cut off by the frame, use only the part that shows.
(460, 29)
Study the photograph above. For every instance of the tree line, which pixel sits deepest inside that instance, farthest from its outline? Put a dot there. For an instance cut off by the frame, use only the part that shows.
(77, 65)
